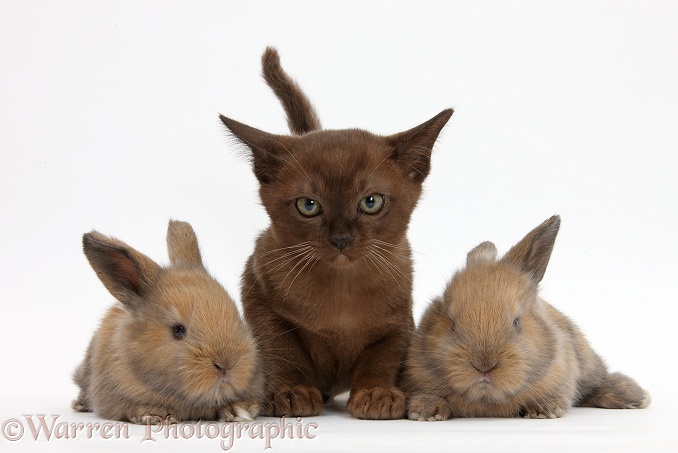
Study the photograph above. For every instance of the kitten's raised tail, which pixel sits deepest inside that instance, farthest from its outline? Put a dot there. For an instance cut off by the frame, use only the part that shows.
(301, 116)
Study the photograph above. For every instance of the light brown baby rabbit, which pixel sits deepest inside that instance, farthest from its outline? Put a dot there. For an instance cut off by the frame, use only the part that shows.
(175, 348)
(490, 347)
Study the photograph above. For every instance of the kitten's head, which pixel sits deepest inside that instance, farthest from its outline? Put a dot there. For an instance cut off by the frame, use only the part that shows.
(340, 192)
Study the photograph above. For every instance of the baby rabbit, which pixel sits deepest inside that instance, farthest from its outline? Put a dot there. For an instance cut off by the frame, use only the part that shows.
(490, 347)
(175, 348)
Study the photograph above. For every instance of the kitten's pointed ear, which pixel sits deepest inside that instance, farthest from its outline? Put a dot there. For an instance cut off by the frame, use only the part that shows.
(265, 148)
(127, 274)
(182, 244)
(485, 252)
(412, 149)
(533, 252)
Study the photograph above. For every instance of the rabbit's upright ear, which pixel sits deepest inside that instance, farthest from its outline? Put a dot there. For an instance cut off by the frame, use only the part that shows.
(484, 252)
(127, 274)
(182, 244)
(533, 252)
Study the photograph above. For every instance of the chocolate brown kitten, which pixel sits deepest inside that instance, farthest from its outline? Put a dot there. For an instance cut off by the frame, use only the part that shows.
(328, 289)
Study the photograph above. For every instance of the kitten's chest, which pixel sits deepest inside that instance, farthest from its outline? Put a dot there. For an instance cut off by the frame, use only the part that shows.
(335, 307)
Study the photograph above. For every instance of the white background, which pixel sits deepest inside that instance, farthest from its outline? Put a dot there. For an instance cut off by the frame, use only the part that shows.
(108, 120)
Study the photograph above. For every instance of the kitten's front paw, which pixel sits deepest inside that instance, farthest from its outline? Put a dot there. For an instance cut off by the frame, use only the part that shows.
(428, 408)
(242, 411)
(378, 403)
(545, 409)
(298, 401)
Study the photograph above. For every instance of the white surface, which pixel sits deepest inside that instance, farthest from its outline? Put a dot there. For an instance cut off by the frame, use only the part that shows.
(108, 120)
(334, 430)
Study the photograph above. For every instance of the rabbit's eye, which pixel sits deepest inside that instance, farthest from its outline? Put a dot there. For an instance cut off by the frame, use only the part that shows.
(516, 324)
(452, 325)
(178, 331)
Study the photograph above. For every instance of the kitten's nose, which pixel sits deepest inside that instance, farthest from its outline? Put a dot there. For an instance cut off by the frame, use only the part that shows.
(341, 242)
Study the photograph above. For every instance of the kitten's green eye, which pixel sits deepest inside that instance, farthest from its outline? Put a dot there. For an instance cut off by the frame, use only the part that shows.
(308, 207)
(371, 204)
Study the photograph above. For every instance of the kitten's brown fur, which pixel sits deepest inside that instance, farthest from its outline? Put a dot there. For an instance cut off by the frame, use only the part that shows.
(329, 297)
(301, 116)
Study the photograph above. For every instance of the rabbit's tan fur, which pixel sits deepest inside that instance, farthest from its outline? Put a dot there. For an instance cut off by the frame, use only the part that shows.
(491, 347)
(135, 368)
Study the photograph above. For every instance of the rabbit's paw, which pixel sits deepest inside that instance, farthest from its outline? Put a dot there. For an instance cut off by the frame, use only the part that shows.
(428, 408)
(545, 409)
(144, 418)
(242, 411)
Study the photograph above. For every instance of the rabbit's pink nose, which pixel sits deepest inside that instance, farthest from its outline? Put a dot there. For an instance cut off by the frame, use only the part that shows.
(225, 373)
(484, 378)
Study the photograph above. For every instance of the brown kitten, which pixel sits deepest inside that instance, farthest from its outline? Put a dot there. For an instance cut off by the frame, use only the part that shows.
(328, 289)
